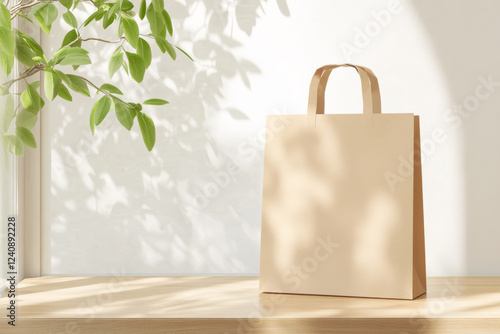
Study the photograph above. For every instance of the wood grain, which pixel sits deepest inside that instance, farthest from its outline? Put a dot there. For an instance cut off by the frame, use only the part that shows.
(233, 305)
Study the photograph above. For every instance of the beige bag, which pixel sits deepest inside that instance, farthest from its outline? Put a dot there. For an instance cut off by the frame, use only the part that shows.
(342, 210)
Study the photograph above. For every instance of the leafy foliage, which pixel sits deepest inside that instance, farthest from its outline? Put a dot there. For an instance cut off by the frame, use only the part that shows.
(133, 55)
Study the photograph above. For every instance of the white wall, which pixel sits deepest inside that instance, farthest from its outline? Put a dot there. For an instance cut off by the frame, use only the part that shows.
(115, 208)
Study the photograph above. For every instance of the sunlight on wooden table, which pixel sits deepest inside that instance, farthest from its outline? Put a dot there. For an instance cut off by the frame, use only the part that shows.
(234, 305)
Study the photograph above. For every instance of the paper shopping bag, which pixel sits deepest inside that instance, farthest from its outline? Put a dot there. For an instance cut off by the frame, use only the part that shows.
(342, 210)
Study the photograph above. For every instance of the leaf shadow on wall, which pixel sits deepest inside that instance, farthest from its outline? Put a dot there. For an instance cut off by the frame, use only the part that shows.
(116, 208)
(465, 40)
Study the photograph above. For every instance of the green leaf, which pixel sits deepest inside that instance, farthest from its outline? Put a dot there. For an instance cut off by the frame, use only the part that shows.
(26, 136)
(61, 75)
(125, 66)
(77, 84)
(66, 3)
(26, 119)
(91, 18)
(7, 41)
(7, 114)
(24, 16)
(35, 84)
(5, 17)
(168, 22)
(156, 22)
(124, 114)
(114, 9)
(45, 16)
(52, 84)
(147, 130)
(100, 13)
(70, 19)
(164, 45)
(3, 90)
(72, 56)
(67, 51)
(40, 59)
(136, 106)
(158, 5)
(131, 29)
(120, 30)
(77, 2)
(70, 37)
(42, 24)
(13, 144)
(92, 120)
(64, 93)
(24, 53)
(6, 62)
(108, 19)
(185, 53)
(102, 107)
(127, 5)
(30, 41)
(110, 89)
(36, 8)
(31, 100)
(136, 66)
(155, 102)
(142, 10)
(144, 50)
(115, 62)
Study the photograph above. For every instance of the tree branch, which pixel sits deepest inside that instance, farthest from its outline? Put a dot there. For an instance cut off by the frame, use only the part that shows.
(37, 68)
(20, 6)
(101, 40)
(103, 91)
(94, 39)
(16, 9)
(29, 72)
(88, 81)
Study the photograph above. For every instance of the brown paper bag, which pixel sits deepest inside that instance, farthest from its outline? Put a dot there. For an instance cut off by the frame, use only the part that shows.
(342, 210)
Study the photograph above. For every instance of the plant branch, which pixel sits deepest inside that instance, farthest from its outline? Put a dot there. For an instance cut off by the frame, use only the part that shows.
(88, 81)
(29, 72)
(79, 39)
(96, 39)
(16, 9)
(37, 68)
(101, 40)
(21, 6)
(103, 91)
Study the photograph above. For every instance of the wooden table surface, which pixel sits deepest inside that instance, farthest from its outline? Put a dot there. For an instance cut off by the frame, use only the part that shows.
(233, 305)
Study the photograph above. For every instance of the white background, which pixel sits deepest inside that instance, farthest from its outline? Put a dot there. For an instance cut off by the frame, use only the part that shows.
(113, 208)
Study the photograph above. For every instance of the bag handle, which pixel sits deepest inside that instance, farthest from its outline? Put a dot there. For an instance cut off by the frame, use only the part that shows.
(372, 97)
(369, 86)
